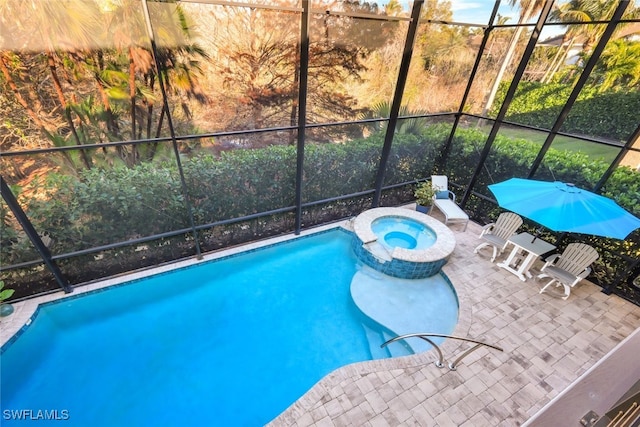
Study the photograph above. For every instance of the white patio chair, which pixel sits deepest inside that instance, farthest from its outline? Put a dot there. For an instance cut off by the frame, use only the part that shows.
(445, 201)
(497, 233)
(570, 268)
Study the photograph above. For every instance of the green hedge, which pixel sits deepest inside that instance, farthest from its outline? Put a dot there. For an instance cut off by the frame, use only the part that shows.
(610, 115)
(114, 205)
(514, 157)
(99, 207)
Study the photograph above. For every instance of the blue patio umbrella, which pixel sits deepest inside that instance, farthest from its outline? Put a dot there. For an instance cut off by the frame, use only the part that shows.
(565, 208)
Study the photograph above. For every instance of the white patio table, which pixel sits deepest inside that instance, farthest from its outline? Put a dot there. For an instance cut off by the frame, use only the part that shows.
(526, 249)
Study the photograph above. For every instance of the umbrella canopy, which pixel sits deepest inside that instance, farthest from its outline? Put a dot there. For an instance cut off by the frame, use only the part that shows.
(565, 208)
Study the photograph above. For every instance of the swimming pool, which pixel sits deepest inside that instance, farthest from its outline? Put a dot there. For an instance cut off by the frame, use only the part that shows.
(232, 342)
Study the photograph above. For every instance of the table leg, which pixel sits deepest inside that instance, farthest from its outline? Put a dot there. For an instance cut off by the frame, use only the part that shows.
(509, 260)
(510, 263)
(526, 265)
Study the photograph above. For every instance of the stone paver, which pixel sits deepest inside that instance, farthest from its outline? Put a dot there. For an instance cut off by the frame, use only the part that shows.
(548, 343)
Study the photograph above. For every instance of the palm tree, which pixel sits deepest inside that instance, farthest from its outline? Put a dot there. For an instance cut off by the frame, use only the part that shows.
(528, 8)
(564, 48)
(393, 8)
(585, 11)
(53, 28)
(95, 64)
(127, 25)
(107, 42)
(413, 126)
(501, 20)
(619, 65)
(136, 81)
(7, 58)
(179, 56)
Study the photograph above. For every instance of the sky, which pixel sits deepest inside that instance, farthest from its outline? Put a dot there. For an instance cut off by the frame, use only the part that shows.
(479, 11)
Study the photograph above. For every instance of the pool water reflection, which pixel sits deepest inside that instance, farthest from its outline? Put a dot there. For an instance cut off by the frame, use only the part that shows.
(399, 232)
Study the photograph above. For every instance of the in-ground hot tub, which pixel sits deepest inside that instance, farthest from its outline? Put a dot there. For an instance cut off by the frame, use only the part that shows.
(401, 242)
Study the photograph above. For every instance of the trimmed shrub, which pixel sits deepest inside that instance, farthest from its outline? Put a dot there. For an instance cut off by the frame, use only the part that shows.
(611, 115)
(99, 207)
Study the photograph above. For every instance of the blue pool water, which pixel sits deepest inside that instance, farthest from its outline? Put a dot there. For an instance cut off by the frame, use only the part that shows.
(232, 342)
(400, 232)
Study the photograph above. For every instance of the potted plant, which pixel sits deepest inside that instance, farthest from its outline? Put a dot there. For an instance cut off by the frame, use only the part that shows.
(424, 195)
(5, 309)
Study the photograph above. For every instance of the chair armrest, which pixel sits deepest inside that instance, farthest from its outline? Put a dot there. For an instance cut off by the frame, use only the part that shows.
(550, 260)
(585, 273)
(487, 228)
(450, 194)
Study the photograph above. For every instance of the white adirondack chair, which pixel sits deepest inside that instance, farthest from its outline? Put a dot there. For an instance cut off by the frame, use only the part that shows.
(570, 268)
(497, 233)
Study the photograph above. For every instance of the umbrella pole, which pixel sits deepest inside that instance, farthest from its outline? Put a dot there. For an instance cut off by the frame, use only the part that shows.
(537, 233)
(561, 239)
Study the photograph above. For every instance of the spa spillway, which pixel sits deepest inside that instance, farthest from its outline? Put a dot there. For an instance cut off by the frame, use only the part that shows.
(402, 243)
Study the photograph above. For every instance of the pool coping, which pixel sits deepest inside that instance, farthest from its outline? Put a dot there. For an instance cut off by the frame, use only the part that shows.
(11, 326)
(442, 248)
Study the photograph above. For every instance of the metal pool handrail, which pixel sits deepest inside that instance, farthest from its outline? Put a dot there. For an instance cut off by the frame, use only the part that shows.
(440, 362)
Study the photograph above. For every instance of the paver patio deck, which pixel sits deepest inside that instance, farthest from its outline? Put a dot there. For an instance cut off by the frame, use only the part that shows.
(548, 343)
